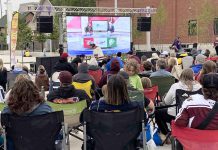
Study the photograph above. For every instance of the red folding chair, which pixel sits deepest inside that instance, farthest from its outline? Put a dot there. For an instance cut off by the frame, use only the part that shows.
(151, 93)
(194, 139)
(96, 74)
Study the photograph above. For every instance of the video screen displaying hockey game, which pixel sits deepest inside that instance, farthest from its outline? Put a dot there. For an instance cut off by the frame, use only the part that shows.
(112, 34)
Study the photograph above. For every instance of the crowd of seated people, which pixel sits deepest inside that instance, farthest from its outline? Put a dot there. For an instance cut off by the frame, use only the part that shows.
(110, 92)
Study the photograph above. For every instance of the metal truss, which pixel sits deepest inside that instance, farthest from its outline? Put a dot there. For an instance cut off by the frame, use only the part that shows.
(90, 10)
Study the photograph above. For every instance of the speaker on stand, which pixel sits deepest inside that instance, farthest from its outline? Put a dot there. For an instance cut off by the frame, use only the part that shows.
(144, 24)
(45, 24)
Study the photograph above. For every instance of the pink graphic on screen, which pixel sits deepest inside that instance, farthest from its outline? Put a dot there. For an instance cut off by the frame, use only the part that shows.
(75, 23)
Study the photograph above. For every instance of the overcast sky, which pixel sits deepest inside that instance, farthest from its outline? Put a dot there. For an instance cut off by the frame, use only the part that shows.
(15, 4)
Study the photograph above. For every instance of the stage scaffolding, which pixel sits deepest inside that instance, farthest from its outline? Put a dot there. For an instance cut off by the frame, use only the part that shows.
(63, 11)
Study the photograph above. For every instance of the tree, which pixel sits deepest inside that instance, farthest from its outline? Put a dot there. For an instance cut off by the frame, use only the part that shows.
(55, 34)
(160, 18)
(80, 3)
(205, 21)
(41, 37)
(24, 33)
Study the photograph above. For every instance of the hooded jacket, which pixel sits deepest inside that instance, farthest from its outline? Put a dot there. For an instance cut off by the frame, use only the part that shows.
(67, 92)
(63, 65)
(115, 68)
(82, 76)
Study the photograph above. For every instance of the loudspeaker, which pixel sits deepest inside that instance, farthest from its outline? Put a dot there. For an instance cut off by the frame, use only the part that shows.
(148, 54)
(45, 24)
(144, 24)
(48, 63)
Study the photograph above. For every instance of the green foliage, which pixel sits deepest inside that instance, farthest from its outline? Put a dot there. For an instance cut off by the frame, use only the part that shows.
(55, 34)
(3, 38)
(205, 20)
(24, 33)
(41, 37)
(80, 3)
(160, 17)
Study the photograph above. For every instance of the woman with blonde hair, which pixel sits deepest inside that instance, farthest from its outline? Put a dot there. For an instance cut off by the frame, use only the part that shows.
(3, 75)
(186, 82)
(171, 63)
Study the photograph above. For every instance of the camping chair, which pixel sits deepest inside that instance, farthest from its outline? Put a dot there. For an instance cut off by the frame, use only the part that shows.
(54, 81)
(114, 130)
(194, 139)
(182, 95)
(152, 93)
(71, 115)
(84, 86)
(144, 75)
(136, 95)
(33, 132)
(163, 83)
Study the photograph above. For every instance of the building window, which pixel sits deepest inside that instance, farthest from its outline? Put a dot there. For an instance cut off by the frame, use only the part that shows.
(192, 27)
(216, 26)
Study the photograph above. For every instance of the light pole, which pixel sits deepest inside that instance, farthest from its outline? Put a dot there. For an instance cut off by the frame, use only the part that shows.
(148, 33)
(1, 7)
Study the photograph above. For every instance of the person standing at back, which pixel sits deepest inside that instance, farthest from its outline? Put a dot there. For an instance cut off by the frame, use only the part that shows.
(3, 75)
(63, 65)
(216, 45)
(42, 78)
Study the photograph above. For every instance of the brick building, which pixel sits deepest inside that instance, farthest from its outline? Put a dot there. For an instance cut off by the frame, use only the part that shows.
(192, 20)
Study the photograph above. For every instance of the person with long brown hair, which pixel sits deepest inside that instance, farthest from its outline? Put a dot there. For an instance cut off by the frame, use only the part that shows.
(117, 98)
(186, 82)
(24, 99)
(208, 67)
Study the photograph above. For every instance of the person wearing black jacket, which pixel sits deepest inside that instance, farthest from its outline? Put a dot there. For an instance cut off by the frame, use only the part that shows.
(63, 65)
(3, 75)
(66, 89)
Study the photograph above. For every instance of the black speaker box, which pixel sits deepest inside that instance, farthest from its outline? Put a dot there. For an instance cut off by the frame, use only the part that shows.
(45, 24)
(148, 54)
(48, 63)
(144, 24)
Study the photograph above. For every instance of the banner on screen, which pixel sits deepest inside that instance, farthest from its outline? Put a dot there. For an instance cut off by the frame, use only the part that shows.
(14, 31)
(112, 34)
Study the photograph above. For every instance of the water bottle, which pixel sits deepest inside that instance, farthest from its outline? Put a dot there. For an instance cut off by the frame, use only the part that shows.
(42, 92)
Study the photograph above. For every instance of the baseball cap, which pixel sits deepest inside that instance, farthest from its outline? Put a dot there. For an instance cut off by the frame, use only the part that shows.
(65, 77)
(210, 80)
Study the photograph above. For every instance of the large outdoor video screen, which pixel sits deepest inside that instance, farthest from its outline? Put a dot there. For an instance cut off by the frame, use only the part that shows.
(112, 34)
